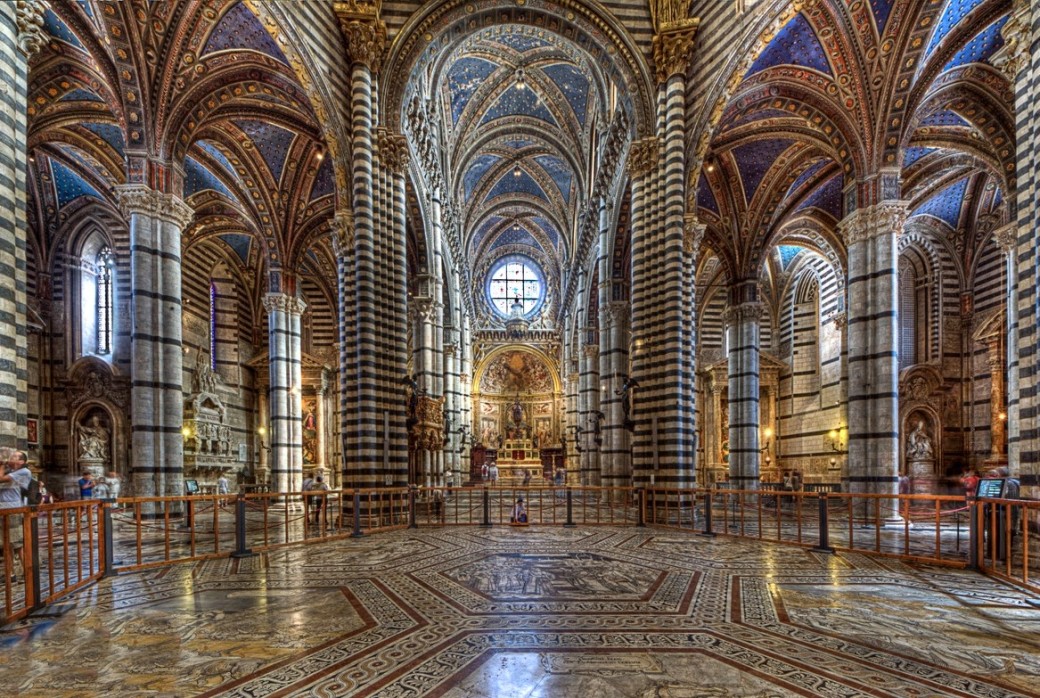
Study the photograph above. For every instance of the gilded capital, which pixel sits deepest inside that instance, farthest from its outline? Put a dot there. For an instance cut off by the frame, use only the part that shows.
(145, 201)
(642, 157)
(284, 303)
(344, 226)
(29, 22)
(693, 234)
(1013, 56)
(393, 150)
(365, 34)
(672, 48)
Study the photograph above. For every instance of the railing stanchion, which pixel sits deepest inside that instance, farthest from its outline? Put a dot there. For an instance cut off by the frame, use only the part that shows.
(570, 509)
(707, 515)
(34, 547)
(240, 529)
(411, 507)
(486, 521)
(107, 540)
(641, 514)
(357, 515)
(974, 544)
(824, 545)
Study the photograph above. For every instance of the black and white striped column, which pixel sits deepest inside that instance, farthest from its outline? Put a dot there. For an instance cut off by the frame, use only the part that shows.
(589, 398)
(871, 237)
(21, 35)
(344, 241)
(156, 221)
(366, 416)
(743, 318)
(1007, 239)
(285, 360)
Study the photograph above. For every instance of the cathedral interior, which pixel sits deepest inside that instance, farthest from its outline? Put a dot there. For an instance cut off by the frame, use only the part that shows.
(622, 244)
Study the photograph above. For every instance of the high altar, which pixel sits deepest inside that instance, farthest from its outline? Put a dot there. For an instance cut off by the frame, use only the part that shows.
(518, 411)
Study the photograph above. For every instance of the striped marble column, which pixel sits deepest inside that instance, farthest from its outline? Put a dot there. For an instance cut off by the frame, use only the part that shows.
(743, 318)
(615, 454)
(421, 319)
(393, 313)
(21, 35)
(344, 241)
(367, 454)
(283, 323)
(589, 396)
(1019, 59)
(466, 397)
(871, 237)
(156, 221)
(1007, 239)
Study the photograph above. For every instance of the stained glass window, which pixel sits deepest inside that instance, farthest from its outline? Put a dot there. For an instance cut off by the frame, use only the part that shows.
(512, 278)
(105, 262)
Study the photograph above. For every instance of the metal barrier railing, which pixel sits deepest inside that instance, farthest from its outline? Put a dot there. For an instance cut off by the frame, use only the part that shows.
(914, 527)
(1006, 542)
(71, 544)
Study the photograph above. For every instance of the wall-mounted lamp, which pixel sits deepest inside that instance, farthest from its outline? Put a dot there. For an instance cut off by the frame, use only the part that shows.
(767, 434)
(186, 432)
(1002, 416)
(835, 438)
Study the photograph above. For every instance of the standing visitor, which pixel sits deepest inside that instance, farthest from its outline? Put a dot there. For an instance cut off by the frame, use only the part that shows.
(13, 481)
(114, 484)
(222, 490)
(86, 486)
(494, 473)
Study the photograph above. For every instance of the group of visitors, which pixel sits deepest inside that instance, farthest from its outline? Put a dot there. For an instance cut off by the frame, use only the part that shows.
(105, 487)
(317, 502)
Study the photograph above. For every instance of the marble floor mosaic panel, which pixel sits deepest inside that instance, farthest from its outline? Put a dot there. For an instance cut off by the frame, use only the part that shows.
(467, 613)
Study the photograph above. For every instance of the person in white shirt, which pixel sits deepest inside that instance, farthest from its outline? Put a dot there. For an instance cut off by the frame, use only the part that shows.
(13, 481)
(223, 488)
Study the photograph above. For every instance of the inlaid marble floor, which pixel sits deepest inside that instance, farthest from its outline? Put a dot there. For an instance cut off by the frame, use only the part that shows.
(585, 612)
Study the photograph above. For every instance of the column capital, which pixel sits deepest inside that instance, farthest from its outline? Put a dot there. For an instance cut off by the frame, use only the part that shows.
(422, 308)
(750, 311)
(873, 221)
(1006, 237)
(591, 350)
(673, 45)
(693, 233)
(450, 349)
(283, 302)
(393, 151)
(642, 156)
(1013, 56)
(145, 201)
(343, 222)
(617, 313)
(29, 21)
(841, 321)
(364, 31)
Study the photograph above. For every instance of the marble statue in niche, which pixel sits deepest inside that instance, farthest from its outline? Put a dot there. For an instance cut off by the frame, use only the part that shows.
(919, 443)
(93, 440)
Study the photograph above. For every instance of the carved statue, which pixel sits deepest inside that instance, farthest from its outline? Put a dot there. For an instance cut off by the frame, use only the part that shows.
(93, 440)
(625, 391)
(919, 444)
(203, 380)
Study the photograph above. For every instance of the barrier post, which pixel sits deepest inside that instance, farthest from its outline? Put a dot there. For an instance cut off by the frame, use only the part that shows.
(824, 545)
(486, 523)
(411, 507)
(641, 514)
(707, 515)
(107, 540)
(34, 540)
(570, 509)
(240, 529)
(357, 515)
(974, 543)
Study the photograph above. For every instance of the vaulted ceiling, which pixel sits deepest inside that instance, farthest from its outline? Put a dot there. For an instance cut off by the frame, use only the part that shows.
(518, 107)
(222, 104)
(846, 90)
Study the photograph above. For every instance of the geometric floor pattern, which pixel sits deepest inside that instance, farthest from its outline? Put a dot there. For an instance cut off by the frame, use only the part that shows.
(588, 612)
